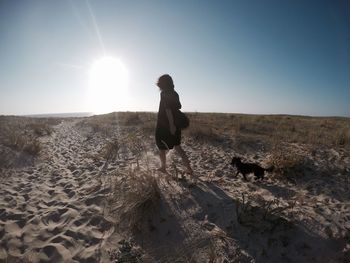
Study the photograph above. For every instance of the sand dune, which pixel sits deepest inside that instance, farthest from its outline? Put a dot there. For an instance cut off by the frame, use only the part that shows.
(64, 206)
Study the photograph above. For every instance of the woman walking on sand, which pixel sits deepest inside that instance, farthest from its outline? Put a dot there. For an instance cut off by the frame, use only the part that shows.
(168, 136)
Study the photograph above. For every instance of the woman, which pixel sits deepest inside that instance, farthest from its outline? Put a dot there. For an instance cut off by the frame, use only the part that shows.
(168, 136)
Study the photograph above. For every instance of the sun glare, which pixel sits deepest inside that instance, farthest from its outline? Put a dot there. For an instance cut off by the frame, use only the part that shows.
(108, 85)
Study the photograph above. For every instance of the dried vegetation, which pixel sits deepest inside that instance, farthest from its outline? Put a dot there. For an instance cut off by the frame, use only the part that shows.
(136, 199)
(20, 139)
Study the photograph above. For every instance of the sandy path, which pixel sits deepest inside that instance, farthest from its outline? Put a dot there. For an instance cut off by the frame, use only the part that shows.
(45, 214)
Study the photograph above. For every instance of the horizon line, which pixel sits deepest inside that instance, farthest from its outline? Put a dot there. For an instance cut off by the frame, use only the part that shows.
(88, 114)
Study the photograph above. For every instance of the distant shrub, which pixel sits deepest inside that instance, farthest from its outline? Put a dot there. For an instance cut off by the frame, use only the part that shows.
(40, 128)
(203, 133)
(132, 119)
(101, 128)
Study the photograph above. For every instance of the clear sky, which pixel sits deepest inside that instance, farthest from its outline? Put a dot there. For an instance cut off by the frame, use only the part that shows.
(263, 57)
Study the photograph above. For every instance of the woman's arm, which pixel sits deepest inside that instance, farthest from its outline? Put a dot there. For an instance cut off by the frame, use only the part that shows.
(170, 116)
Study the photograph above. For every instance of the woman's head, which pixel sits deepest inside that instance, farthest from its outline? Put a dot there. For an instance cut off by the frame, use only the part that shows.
(165, 82)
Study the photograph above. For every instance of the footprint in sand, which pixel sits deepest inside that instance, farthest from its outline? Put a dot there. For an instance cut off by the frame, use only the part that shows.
(42, 219)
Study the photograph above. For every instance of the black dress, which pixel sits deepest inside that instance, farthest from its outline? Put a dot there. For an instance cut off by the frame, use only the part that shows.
(169, 99)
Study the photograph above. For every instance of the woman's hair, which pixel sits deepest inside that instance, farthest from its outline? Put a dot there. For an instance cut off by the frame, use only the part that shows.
(165, 82)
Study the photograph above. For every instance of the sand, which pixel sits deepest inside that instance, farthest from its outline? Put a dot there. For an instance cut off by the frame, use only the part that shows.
(57, 209)
(45, 215)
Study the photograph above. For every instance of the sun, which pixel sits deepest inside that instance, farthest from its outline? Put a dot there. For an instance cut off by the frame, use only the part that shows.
(108, 85)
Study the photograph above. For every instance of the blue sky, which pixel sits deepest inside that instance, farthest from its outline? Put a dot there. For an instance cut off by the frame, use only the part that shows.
(262, 57)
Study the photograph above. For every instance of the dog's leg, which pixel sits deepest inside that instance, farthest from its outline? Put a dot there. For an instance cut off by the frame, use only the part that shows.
(257, 175)
(262, 176)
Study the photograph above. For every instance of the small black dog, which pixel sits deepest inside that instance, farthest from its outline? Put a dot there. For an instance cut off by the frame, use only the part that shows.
(247, 168)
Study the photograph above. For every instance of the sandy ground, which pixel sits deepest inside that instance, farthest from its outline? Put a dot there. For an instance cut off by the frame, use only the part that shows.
(56, 209)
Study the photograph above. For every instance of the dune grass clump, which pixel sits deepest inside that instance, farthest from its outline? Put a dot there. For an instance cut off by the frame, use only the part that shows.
(135, 200)
(41, 127)
(342, 137)
(202, 132)
(126, 253)
(265, 216)
(286, 161)
(20, 139)
(13, 139)
(136, 146)
(21, 142)
(110, 151)
(32, 147)
(18, 149)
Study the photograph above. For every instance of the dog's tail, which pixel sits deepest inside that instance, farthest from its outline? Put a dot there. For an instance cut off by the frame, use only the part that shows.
(270, 169)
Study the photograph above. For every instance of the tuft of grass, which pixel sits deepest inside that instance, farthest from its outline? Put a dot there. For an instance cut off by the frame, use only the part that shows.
(127, 252)
(275, 207)
(342, 137)
(265, 216)
(110, 151)
(19, 139)
(40, 128)
(136, 145)
(33, 147)
(285, 161)
(21, 142)
(13, 139)
(135, 200)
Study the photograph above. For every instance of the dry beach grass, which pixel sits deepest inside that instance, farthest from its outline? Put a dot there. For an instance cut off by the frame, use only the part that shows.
(86, 190)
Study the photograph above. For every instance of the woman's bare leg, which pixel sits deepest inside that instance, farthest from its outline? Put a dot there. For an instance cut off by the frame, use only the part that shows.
(162, 156)
(184, 157)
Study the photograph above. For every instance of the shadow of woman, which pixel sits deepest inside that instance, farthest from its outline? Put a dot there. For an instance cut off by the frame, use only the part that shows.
(264, 233)
(250, 232)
